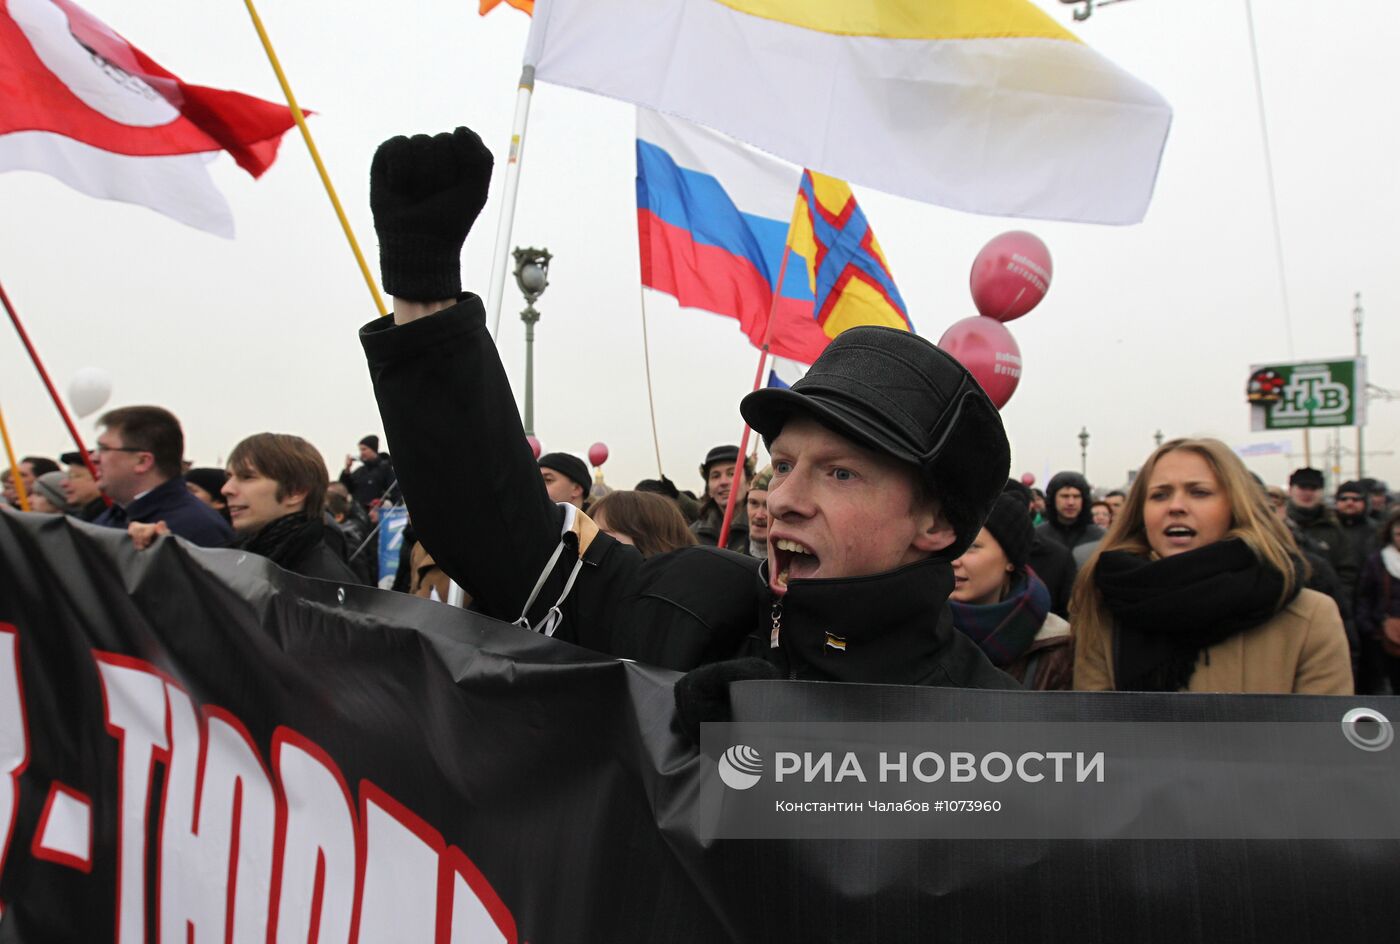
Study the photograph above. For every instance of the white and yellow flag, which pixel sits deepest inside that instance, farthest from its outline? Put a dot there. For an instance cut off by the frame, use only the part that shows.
(988, 106)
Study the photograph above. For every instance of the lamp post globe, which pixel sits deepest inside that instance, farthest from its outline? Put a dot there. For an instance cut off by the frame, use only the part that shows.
(533, 278)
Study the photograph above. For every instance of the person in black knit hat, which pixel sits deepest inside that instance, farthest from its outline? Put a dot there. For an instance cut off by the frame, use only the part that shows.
(1000, 603)
(374, 479)
(207, 484)
(887, 457)
(566, 478)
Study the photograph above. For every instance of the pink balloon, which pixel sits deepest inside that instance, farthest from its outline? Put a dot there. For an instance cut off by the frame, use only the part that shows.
(597, 454)
(989, 352)
(1027, 479)
(534, 445)
(1010, 275)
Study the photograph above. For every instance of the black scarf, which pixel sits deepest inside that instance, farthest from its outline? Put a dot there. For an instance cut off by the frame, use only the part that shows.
(1308, 516)
(892, 627)
(1167, 611)
(284, 541)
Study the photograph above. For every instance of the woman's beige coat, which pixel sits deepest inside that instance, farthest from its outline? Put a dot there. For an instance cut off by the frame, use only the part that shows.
(1302, 650)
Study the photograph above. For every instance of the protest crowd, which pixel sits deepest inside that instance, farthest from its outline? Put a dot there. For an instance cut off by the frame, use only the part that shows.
(883, 542)
(843, 677)
(1013, 587)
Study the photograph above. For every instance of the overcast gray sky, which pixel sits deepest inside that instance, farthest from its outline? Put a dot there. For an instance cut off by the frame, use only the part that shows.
(1146, 327)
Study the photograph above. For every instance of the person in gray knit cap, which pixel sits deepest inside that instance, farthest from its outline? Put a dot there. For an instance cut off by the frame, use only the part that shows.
(887, 456)
(48, 495)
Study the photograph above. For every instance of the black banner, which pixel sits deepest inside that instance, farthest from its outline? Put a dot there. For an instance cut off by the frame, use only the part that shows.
(197, 746)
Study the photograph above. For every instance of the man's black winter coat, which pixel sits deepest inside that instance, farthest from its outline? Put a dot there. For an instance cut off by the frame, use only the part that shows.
(478, 501)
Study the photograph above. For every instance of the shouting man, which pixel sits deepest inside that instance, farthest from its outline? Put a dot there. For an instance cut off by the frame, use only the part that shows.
(887, 457)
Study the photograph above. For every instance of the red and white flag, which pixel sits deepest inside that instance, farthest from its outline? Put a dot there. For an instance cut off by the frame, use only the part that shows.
(80, 103)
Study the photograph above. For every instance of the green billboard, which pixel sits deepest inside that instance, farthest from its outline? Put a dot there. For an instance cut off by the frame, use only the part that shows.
(1307, 394)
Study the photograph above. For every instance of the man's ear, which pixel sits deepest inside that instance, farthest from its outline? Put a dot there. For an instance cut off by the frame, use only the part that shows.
(294, 501)
(935, 532)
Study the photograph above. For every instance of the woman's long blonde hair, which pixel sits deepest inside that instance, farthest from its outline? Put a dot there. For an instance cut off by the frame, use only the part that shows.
(1251, 520)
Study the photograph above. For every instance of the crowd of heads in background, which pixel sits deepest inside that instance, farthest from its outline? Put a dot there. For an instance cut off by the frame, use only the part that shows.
(274, 494)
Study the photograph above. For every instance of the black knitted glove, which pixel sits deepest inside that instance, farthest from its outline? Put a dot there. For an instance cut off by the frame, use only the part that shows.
(425, 194)
(668, 488)
(703, 694)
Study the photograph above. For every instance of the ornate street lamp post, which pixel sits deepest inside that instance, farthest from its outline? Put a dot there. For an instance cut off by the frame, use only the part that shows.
(532, 275)
(1084, 451)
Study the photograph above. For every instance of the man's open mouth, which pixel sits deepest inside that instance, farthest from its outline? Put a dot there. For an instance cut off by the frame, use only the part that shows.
(791, 560)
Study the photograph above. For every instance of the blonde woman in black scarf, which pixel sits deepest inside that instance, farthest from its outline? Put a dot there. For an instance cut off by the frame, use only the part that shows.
(1198, 587)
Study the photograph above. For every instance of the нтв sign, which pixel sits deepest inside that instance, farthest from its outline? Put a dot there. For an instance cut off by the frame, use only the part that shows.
(1307, 394)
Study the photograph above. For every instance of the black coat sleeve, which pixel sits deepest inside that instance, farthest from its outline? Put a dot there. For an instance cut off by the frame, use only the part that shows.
(465, 470)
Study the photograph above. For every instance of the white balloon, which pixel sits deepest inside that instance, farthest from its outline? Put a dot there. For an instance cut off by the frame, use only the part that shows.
(89, 390)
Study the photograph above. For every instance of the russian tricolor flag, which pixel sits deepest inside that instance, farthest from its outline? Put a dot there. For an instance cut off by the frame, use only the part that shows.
(713, 217)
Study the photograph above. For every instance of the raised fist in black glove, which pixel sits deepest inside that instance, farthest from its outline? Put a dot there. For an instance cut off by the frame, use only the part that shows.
(703, 694)
(425, 193)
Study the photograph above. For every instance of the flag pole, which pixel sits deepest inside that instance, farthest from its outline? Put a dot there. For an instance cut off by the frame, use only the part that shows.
(511, 188)
(757, 381)
(316, 158)
(14, 466)
(44, 375)
(646, 361)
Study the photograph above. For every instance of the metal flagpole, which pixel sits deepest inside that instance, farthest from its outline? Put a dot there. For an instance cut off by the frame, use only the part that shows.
(316, 158)
(44, 376)
(512, 187)
(14, 466)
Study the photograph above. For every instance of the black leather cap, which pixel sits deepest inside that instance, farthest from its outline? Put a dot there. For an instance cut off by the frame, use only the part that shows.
(718, 454)
(899, 394)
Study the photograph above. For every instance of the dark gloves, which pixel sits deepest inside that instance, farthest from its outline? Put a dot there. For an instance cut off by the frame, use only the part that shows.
(703, 694)
(668, 488)
(425, 194)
